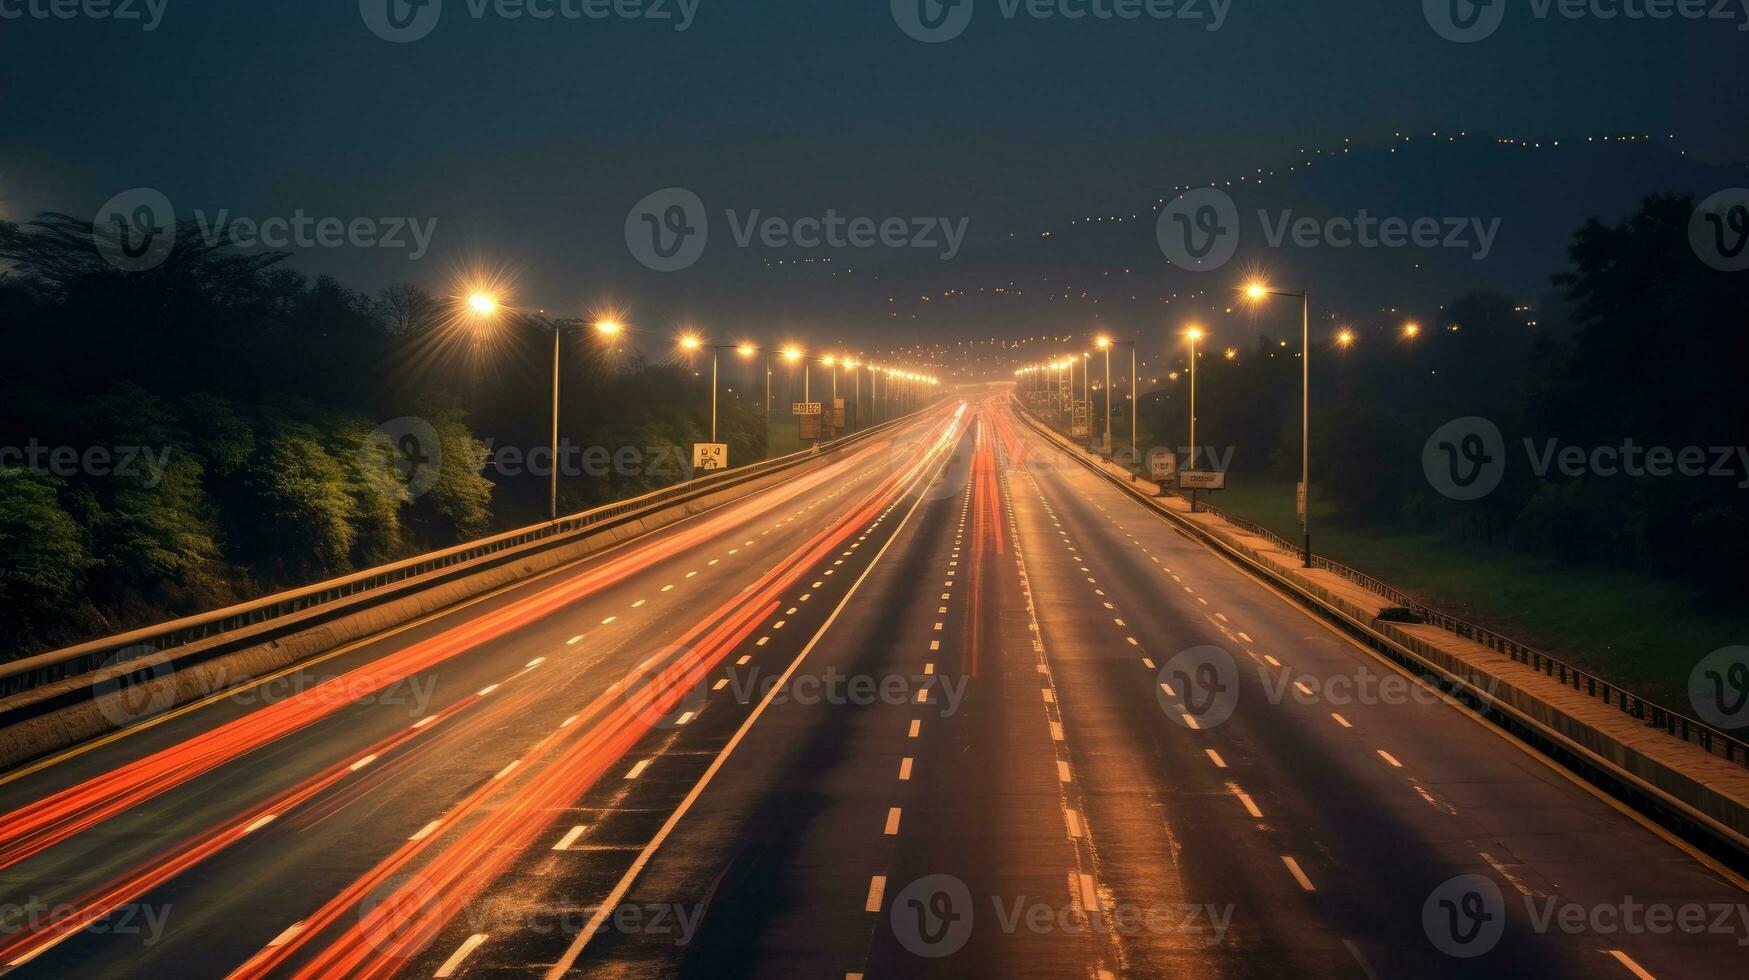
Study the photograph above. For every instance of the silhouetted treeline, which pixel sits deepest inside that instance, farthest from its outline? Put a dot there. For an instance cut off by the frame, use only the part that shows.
(220, 426)
(1641, 341)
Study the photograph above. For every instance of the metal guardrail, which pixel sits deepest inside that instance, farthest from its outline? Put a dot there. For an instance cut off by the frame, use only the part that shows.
(1654, 715)
(45, 668)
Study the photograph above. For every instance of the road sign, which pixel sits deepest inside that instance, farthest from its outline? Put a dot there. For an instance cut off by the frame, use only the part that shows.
(838, 413)
(1202, 480)
(1162, 465)
(807, 408)
(708, 456)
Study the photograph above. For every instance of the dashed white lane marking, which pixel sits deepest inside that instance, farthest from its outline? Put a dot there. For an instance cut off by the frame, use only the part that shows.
(905, 768)
(1390, 759)
(425, 831)
(507, 770)
(260, 822)
(877, 887)
(639, 604)
(608, 620)
(1249, 804)
(1073, 819)
(1148, 663)
(488, 689)
(892, 821)
(1063, 772)
(1245, 636)
(570, 838)
(1089, 894)
(1272, 661)
(720, 684)
(360, 764)
(1293, 868)
(638, 770)
(916, 727)
(1341, 720)
(1190, 722)
(1215, 757)
(461, 953)
(573, 641)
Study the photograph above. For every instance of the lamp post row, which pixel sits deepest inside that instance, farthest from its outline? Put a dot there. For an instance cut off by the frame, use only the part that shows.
(485, 305)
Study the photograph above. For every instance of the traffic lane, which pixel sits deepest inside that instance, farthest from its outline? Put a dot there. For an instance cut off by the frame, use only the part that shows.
(157, 732)
(1372, 853)
(125, 839)
(1496, 811)
(546, 899)
(437, 859)
(1202, 879)
(995, 873)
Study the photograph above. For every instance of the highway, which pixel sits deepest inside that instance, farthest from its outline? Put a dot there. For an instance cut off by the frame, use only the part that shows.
(944, 706)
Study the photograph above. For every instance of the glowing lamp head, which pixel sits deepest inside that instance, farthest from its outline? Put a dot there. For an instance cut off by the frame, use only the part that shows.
(609, 328)
(1411, 330)
(483, 304)
(1103, 343)
(745, 350)
(1255, 291)
(792, 354)
(1345, 338)
(691, 343)
(829, 360)
(1194, 333)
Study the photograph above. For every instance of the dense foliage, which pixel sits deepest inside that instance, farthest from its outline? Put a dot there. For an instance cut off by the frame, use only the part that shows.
(1641, 342)
(220, 426)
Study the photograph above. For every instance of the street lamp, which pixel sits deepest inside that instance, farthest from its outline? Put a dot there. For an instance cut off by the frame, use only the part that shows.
(1258, 291)
(1195, 334)
(1106, 344)
(482, 304)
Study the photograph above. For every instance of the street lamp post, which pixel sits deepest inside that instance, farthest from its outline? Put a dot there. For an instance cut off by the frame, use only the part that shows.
(1195, 335)
(1256, 292)
(487, 305)
(1106, 344)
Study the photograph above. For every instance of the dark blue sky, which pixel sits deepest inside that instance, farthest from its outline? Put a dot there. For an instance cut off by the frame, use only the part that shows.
(529, 141)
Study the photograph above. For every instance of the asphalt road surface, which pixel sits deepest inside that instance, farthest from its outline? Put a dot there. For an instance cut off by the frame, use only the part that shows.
(945, 706)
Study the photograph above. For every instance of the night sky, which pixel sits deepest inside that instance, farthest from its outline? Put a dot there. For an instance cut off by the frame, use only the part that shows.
(528, 141)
